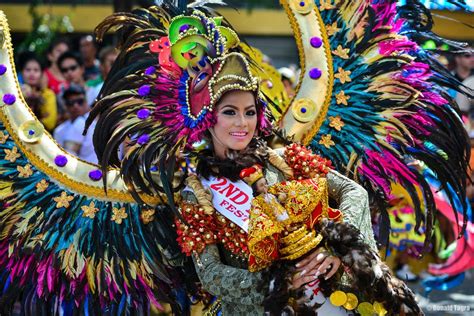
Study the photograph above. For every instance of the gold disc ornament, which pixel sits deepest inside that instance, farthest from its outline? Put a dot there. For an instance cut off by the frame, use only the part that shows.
(31, 131)
(338, 298)
(304, 110)
(366, 309)
(302, 6)
(351, 302)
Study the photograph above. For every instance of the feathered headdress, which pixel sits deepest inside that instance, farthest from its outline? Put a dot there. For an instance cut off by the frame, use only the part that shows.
(169, 76)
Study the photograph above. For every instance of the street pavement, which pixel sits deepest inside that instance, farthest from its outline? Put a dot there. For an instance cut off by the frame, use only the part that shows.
(458, 301)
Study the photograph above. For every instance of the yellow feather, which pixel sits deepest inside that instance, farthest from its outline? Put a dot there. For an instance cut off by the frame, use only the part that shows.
(22, 226)
(10, 216)
(98, 277)
(90, 273)
(80, 259)
(133, 269)
(11, 247)
(5, 189)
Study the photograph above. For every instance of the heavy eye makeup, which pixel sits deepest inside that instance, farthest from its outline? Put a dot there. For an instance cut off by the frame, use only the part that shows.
(231, 110)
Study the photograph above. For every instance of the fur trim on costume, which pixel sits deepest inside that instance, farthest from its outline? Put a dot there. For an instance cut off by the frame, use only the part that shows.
(369, 277)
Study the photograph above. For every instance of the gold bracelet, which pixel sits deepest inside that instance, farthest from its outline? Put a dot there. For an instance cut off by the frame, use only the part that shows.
(305, 249)
(294, 236)
(300, 243)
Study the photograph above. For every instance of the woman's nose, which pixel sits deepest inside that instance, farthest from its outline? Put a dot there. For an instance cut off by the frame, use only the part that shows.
(241, 120)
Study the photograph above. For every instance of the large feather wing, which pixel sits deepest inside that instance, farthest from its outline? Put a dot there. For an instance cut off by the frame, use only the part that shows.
(371, 100)
(64, 243)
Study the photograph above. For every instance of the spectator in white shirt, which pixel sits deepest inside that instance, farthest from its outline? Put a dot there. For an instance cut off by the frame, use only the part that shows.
(107, 56)
(69, 134)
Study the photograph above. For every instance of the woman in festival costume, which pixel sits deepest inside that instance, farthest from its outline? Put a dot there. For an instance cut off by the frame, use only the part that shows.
(207, 79)
(68, 246)
(214, 101)
(214, 224)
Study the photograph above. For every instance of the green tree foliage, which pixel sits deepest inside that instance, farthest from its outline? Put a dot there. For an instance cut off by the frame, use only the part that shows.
(44, 29)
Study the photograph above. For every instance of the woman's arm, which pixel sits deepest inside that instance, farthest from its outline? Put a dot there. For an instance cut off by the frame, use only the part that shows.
(230, 284)
(354, 203)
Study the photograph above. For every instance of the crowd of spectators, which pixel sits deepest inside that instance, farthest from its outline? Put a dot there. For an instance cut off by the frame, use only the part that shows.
(62, 92)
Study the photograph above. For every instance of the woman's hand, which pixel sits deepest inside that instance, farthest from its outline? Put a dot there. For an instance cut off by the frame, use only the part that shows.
(318, 263)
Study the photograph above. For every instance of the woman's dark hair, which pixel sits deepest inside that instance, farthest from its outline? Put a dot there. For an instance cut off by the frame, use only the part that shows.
(57, 42)
(209, 165)
(70, 55)
(24, 58)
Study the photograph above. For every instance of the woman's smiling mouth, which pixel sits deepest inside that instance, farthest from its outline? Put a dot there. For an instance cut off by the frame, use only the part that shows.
(239, 134)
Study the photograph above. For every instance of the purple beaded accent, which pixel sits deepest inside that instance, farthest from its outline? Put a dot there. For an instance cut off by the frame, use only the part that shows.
(302, 4)
(60, 160)
(95, 175)
(3, 69)
(184, 28)
(315, 73)
(316, 42)
(143, 114)
(150, 71)
(144, 90)
(31, 132)
(9, 99)
(142, 140)
(303, 110)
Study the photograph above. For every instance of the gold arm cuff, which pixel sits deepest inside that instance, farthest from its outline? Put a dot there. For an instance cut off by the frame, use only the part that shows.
(204, 197)
(313, 243)
(300, 243)
(294, 236)
(279, 163)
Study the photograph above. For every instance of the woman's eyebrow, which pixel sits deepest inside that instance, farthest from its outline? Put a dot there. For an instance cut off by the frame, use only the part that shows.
(236, 108)
(230, 106)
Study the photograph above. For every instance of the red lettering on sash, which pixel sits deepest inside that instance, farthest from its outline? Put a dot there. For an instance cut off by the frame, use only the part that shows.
(229, 190)
(218, 185)
(240, 198)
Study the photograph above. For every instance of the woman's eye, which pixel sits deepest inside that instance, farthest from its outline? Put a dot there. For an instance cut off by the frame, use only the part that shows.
(229, 112)
(251, 113)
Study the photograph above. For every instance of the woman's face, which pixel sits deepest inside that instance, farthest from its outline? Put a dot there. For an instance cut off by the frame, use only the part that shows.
(57, 51)
(236, 114)
(31, 73)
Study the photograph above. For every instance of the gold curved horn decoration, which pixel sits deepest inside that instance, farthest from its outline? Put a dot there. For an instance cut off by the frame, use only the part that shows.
(40, 148)
(315, 84)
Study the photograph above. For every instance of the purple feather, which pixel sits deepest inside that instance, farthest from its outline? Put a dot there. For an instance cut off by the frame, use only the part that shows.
(51, 275)
(396, 46)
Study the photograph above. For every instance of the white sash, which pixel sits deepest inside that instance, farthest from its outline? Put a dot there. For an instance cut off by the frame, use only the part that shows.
(231, 199)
